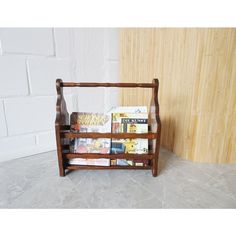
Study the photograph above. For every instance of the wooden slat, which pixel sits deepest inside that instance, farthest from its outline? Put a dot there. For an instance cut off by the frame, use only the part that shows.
(109, 135)
(77, 167)
(65, 127)
(110, 156)
(123, 85)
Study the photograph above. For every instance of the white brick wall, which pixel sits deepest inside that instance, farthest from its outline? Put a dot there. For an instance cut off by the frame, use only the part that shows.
(27, 41)
(28, 114)
(43, 71)
(100, 65)
(13, 76)
(3, 125)
(63, 42)
(30, 61)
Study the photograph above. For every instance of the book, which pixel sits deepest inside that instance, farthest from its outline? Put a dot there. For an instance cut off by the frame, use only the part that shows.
(82, 122)
(113, 162)
(90, 162)
(90, 122)
(129, 123)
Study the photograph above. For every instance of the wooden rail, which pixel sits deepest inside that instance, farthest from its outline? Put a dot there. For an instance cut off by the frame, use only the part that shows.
(109, 135)
(110, 156)
(122, 85)
(79, 167)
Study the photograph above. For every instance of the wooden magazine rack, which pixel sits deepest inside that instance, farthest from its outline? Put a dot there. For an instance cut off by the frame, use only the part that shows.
(63, 133)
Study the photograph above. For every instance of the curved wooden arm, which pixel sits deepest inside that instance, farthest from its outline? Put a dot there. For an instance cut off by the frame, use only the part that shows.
(155, 125)
(62, 115)
(62, 118)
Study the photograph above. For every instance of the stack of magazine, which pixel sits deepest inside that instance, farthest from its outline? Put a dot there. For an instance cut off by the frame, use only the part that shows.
(117, 120)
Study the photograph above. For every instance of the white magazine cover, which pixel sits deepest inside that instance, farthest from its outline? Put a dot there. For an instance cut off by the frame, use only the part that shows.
(90, 162)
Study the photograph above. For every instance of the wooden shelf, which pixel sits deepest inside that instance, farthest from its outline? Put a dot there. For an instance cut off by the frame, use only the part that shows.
(110, 156)
(109, 135)
(63, 134)
(78, 167)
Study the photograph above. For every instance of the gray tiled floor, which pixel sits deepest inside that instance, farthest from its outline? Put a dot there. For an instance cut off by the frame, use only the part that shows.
(33, 182)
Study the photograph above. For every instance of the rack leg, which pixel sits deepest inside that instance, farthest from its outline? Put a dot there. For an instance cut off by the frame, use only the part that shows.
(59, 152)
(60, 164)
(155, 167)
(61, 172)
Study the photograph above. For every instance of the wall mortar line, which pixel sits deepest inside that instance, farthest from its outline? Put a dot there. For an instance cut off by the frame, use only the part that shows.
(54, 41)
(5, 117)
(28, 77)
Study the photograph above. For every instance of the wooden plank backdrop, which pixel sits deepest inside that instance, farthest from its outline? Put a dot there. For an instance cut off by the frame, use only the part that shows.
(196, 68)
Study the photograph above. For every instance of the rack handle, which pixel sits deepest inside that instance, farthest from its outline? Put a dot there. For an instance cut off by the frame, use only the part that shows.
(123, 85)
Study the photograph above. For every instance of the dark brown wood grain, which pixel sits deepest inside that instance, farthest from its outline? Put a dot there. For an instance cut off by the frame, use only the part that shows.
(121, 85)
(109, 135)
(63, 134)
(78, 167)
(62, 118)
(155, 126)
(110, 156)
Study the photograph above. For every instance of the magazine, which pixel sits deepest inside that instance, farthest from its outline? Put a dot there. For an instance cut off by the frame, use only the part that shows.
(90, 162)
(82, 122)
(129, 123)
(119, 120)
(90, 122)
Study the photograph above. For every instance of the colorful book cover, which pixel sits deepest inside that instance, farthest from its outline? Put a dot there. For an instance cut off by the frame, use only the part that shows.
(91, 122)
(129, 123)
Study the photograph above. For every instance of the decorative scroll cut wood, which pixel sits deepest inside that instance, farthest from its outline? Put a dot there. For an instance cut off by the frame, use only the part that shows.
(63, 133)
(62, 118)
(155, 126)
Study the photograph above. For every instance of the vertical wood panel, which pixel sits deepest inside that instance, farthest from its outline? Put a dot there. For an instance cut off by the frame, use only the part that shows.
(197, 73)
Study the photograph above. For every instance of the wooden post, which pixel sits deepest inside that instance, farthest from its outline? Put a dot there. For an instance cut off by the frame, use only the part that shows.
(155, 126)
(62, 118)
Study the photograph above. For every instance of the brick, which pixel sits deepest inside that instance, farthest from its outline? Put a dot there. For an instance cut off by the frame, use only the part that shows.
(44, 72)
(13, 76)
(46, 139)
(89, 52)
(91, 99)
(26, 145)
(11, 147)
(112, 94)
(36, 41)
(113, 72)
(111, 98)
(113, 43)
(3, 125)
(17, 142)
(71, 103)
(62, 42)
(30, 114)
(0, 47)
